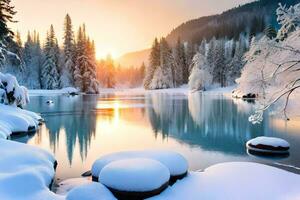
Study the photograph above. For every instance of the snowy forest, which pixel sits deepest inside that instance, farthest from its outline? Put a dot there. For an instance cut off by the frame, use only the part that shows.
(49, 66)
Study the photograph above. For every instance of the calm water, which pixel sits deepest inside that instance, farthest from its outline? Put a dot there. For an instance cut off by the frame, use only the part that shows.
(206, 129)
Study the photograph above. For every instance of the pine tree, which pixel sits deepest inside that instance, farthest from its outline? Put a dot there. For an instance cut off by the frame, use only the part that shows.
(6, 15)
(154, 63)
(85, 66)
(190, 52)
(50, 72)
(219, 64)
(180, 61)
(67, 70)
(164, 74)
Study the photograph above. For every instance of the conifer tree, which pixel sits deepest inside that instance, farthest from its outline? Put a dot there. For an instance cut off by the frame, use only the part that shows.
(85, 66)
(6, 15)
(180, 61)
(50, 73)
(154, 63)
(67, 70)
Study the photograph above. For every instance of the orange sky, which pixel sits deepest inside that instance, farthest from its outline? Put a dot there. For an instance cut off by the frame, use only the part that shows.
(117, 26)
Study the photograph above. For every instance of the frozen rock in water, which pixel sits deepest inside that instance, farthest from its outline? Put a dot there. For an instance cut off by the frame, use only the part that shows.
(87, 173)
(91, 191)
(5, 131)
(136, 178)
(49, 102)
(268, 145)
(175, 162)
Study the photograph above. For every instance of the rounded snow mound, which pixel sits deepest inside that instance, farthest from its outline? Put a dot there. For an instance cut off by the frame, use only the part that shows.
(91, 191)
(136, 178)
(175, 162)
(269, 145)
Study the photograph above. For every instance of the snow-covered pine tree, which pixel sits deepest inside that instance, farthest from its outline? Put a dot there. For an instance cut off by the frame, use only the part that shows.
(219, 63)
(67, 71)
(163, 75)
(190, 52)
(154, 63)
(85, 66)
(200, 77)
(180, 61)
(237, 62)
(210, 54)
(6, 35)
(32, 59)
(50, 74)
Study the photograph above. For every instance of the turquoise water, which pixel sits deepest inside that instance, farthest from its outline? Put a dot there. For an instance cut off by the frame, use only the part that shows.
(206, 129)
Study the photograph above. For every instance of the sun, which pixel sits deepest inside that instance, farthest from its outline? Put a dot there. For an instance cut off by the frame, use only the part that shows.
(103, 53)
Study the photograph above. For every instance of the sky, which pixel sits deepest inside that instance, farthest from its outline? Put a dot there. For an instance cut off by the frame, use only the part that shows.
(117, 26)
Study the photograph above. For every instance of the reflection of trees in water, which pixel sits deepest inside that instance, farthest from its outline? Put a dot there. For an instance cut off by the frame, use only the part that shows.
(211, 122)
(76, 116)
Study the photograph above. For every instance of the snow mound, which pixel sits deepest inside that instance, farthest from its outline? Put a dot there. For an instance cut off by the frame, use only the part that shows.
(175, 162)
(234, 181)
(16, 120)
(138, 175)
(91, 191)
(11, 92)
(25, 172)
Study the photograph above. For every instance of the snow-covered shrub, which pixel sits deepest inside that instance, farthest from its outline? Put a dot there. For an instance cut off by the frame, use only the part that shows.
(162, 79)
(200, 77)
(11, 92)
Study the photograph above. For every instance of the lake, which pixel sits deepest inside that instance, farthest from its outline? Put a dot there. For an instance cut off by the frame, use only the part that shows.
(205, 128)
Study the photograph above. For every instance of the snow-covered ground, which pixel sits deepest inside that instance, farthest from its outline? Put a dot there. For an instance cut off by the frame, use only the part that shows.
(135, 91)
(53, 92)
(235, 181)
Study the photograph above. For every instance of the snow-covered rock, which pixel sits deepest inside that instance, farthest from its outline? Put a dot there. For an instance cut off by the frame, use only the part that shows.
(135, 178)
(268, 145)
(175, 162)
(91, 191)
(25, 172)
(235, 181)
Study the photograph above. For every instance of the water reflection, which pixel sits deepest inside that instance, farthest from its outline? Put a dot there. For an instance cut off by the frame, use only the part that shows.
(215, 123)
(214, 128)
(73, 116)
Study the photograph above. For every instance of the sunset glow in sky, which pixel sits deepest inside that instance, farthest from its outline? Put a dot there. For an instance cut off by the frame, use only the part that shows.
(117, 26)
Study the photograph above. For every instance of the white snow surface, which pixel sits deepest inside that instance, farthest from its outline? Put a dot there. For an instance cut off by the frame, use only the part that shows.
(14, 119)
(270, 141)
(67, 185)
(175, 162)
(91, 191)
(25, 172)
(134, 175)
(235, 181)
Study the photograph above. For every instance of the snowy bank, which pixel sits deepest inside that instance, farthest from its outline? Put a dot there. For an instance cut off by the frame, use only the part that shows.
(64, 91)
(26, 172)
(235, 181)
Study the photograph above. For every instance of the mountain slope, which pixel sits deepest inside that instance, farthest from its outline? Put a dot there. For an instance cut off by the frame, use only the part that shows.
(249, 19)
(134, 58)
